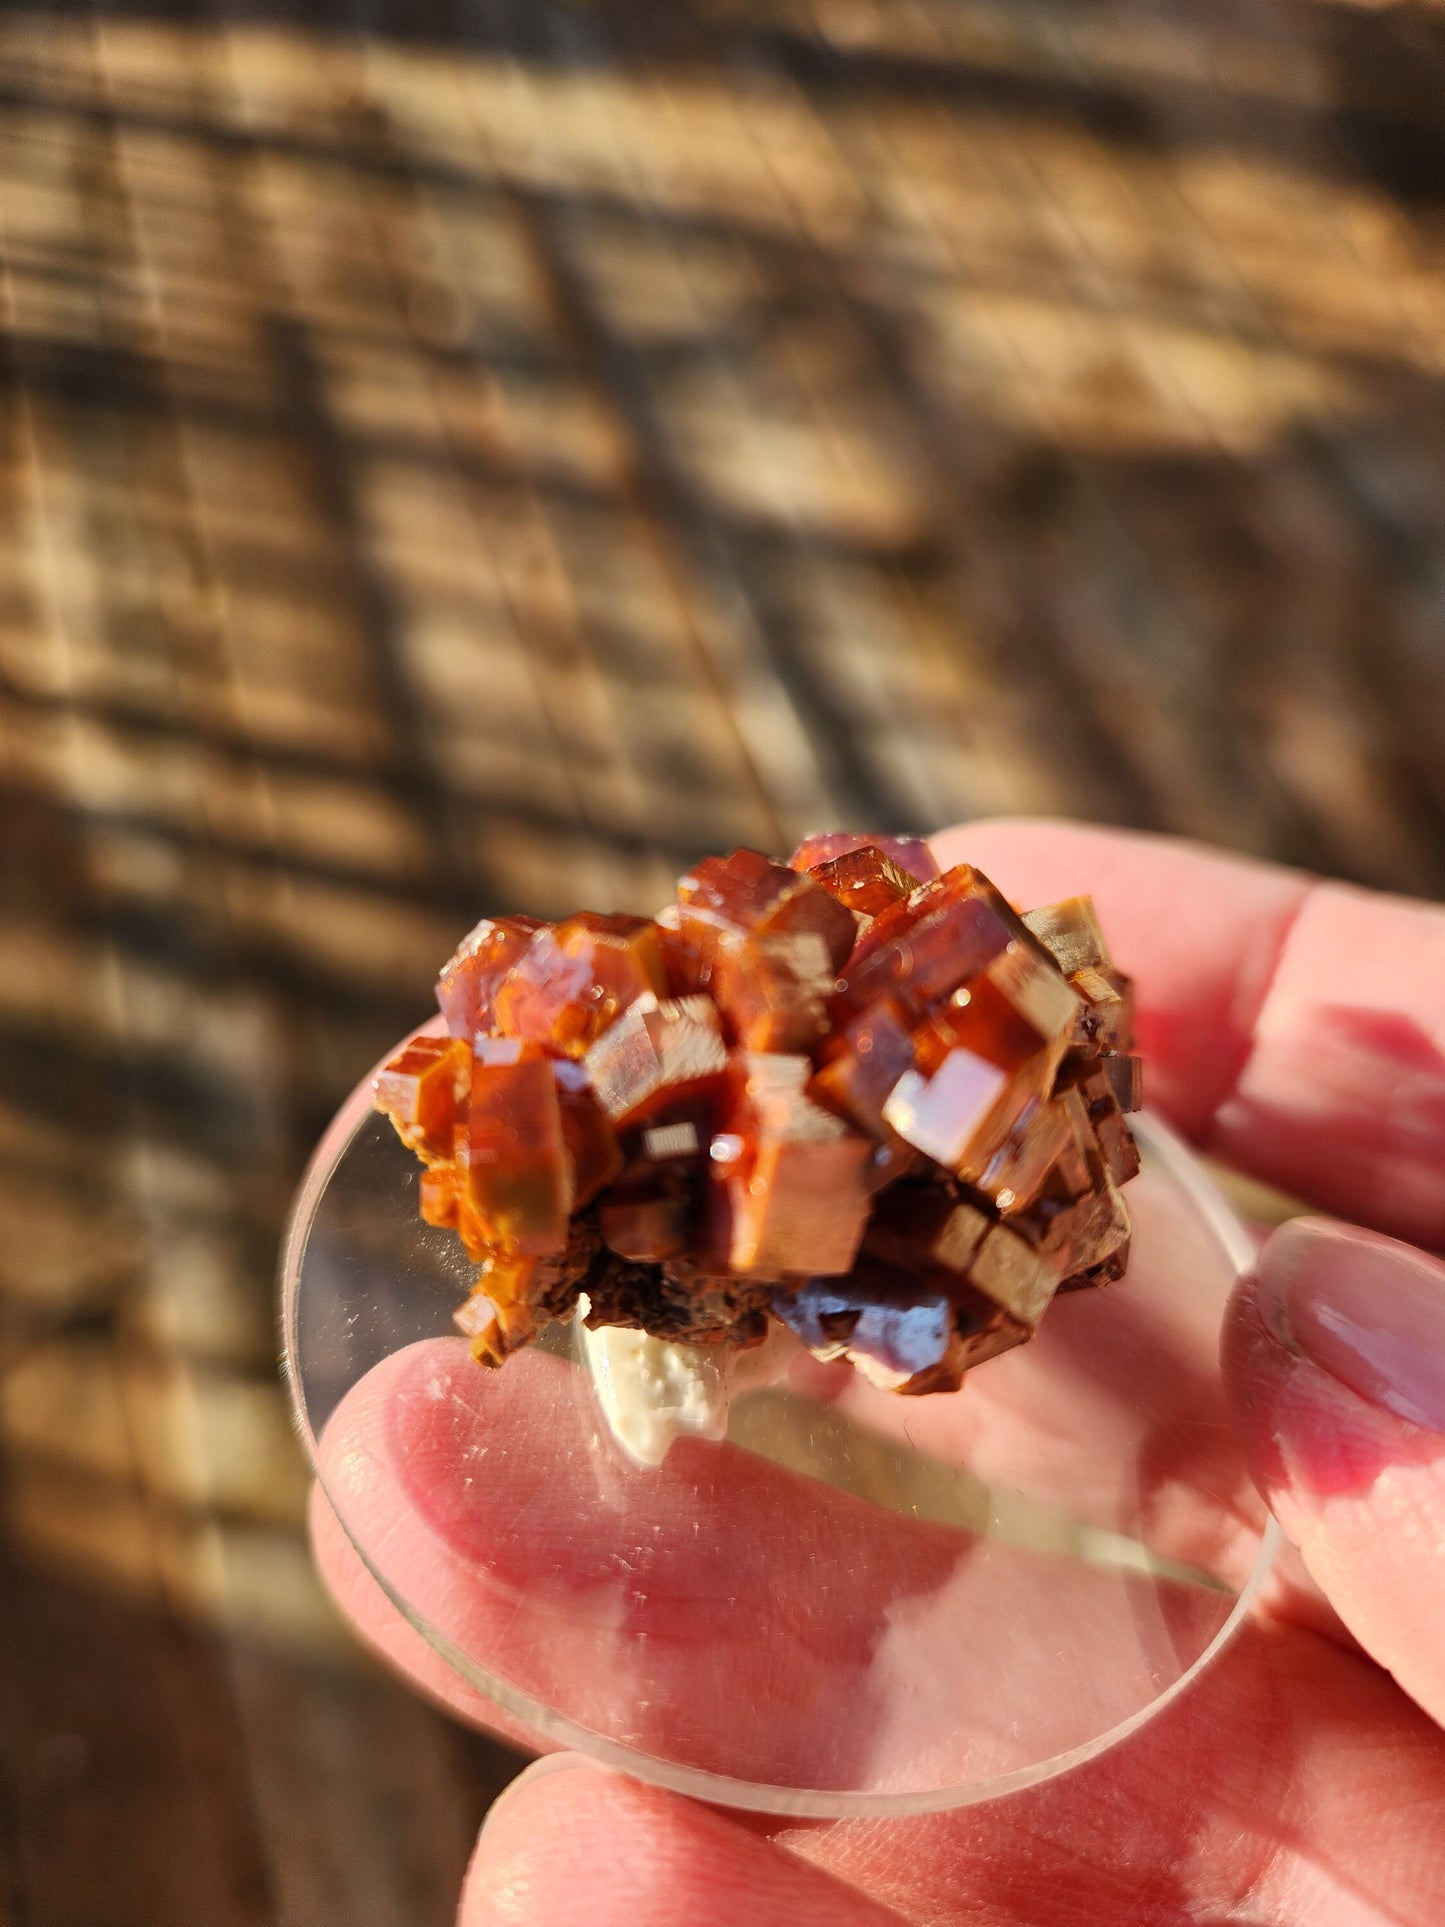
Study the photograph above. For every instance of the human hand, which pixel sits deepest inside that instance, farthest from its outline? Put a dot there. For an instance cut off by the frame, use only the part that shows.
(1300, 1032)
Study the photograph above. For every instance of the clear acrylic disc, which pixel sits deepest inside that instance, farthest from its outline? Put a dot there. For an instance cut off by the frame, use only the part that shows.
(855, 1604)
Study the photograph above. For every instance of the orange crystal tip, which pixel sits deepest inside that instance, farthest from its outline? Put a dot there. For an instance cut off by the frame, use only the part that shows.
(866, 881)
(422, 1089)
(911, 853)
(724, 898)
(480, 963)
(929, 944)
(572, 982)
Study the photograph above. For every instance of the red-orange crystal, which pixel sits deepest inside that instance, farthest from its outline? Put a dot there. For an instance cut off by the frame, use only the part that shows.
(929, 944)
(910, 853)
(868, 1099)
(519, 1175)
(481, 962)
(655, 1054)
(797, 1195)
(726, 898)
(572, 982)
(866, 881)
(774, 990)
(423, 1090)
(591, 1142)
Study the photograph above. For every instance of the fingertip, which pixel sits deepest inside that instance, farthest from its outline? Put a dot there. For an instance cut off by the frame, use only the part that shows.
(569, 1841)
(1357, 1487)
(1328, 1370)
(514, 1873)
(1032, 857)
(500, 1882)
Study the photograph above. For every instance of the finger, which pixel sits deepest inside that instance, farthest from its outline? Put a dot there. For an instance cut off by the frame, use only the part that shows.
(393, 1639)
(721, 1610)
(1297, 1027)
(1293, 1784)
(1335, 1365)
(585, 1845)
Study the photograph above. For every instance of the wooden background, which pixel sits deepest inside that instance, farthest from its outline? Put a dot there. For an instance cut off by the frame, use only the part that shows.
(478, 457)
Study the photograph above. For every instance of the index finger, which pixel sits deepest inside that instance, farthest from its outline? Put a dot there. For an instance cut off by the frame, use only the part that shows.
(1294, 1026)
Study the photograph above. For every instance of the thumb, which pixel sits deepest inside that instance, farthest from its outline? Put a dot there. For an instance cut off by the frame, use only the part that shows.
(1334, 1361)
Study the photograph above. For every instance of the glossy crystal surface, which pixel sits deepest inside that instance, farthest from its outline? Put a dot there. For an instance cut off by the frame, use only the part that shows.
(874, 1102)
(911, 853)
(745, 895)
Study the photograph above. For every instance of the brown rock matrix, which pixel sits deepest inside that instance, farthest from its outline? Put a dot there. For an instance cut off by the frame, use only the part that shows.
(846, 1092)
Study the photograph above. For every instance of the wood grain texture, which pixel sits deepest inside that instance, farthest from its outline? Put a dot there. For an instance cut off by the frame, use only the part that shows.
(461, 458)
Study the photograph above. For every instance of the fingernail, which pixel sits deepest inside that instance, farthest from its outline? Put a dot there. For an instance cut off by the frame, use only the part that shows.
(542, 1769)
(1365, 1309)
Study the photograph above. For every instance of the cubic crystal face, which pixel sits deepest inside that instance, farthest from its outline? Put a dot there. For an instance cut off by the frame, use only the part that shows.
(796, 1191)
(481, 962)
(519, 1176)
(774, 991)
(655, 1055)
(423, 1090)
(573, 982)
(911, 853)
(867, 881)
(848, 1092)
(746, 895)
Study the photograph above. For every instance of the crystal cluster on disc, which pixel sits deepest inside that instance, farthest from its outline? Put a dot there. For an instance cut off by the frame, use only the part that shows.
(867, 1100)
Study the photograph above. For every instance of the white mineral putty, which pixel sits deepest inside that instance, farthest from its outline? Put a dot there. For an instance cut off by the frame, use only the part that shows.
(653, 1392)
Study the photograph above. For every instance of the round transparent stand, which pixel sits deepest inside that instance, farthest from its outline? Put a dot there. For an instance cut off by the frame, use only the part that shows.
(855, 1604)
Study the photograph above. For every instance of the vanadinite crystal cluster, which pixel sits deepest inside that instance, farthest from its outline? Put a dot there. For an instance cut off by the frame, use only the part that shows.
(847, 1092)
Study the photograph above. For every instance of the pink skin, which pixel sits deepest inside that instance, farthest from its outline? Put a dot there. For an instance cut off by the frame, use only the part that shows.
(1298, 1029)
